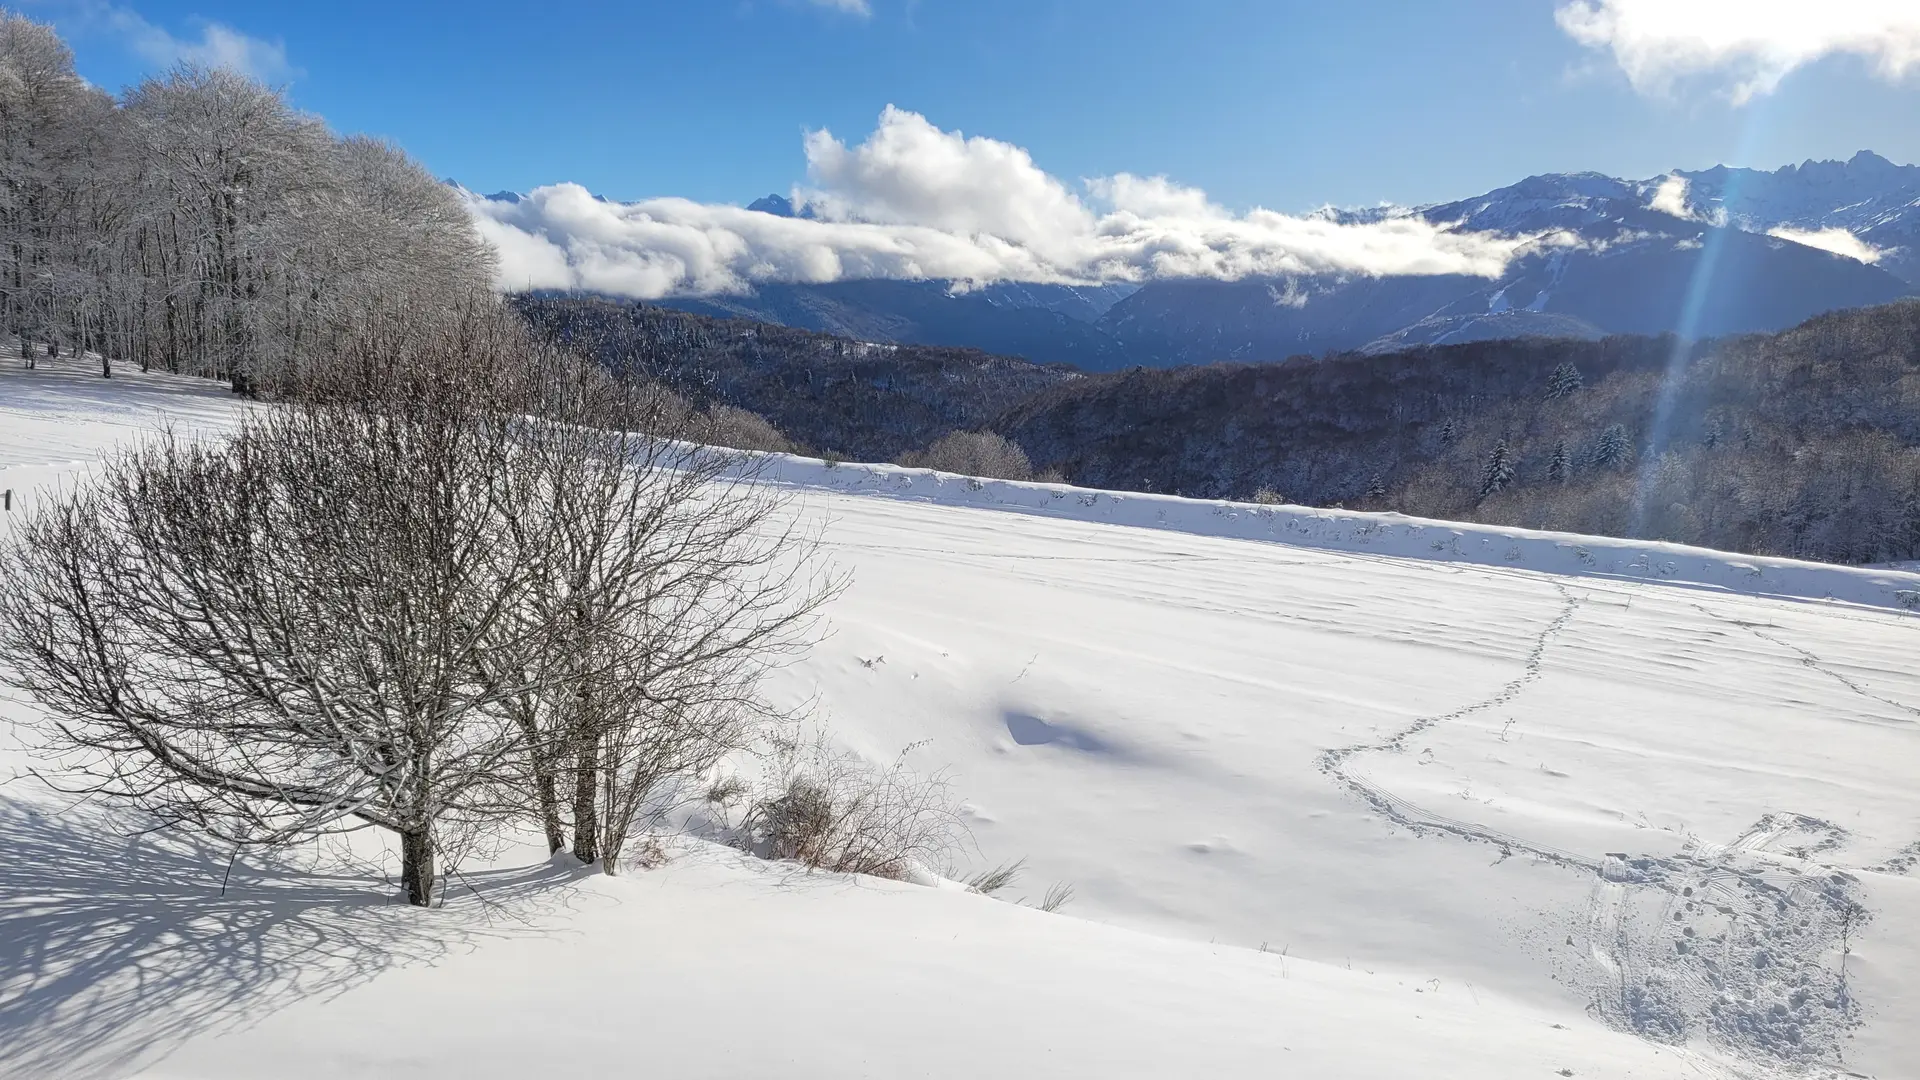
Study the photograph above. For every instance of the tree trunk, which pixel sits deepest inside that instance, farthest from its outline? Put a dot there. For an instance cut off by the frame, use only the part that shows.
(550, 811)
(614, 840)
(416, 866)
(586, 810)
(543, 759)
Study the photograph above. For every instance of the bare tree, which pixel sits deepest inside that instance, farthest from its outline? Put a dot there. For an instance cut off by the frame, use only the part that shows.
(296, 631)
(671, 579)
(463, 577)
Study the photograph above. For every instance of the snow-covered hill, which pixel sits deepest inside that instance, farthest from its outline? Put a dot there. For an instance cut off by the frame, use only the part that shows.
(1341, 795)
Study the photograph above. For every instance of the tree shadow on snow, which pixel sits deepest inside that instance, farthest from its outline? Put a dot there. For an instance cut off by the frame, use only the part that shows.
(68, 385)
(115, 950)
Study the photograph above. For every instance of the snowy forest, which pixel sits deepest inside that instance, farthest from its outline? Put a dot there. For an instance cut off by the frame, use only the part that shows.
(1797, 444)
(199, 224)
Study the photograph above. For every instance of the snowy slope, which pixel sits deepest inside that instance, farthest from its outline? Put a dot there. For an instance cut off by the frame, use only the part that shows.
(1494, 803)
(713, 967)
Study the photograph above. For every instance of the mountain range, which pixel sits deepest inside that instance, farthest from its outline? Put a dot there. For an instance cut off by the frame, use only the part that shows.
(1703, 254)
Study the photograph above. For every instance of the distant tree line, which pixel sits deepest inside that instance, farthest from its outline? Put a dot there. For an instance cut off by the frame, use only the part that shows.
(199, 224)
(1800, 443)
(829, 395)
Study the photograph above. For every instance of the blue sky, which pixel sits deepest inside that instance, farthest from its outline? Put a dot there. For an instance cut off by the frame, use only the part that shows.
(1258, 102)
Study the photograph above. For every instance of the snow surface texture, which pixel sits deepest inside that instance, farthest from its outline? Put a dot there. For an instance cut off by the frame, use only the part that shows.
(1389, 798)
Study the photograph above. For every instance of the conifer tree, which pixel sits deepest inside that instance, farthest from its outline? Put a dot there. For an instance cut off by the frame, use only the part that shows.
(1560, 466)
(1499, 471)
(1564, 382)
(1614, 449)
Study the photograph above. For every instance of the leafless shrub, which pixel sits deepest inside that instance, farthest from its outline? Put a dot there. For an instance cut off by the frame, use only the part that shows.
(1267, 496)
(973, 453)
(831, 810)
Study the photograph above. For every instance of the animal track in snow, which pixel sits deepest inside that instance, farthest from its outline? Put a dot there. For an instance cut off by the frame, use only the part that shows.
(1736, 942)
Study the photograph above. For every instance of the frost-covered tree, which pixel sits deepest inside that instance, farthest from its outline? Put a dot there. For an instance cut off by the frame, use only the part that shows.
(1564, 382)
(1716, 432)
(1499, 471)
(1614, 450)
(43, 121)
(1560, 465)
(204, 225)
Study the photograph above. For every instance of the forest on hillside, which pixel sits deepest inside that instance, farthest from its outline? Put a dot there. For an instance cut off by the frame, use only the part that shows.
(861, 400)
(1800, 443)
(200, 224)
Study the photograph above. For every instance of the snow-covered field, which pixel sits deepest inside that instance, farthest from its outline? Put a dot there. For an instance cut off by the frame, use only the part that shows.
(1341, 795)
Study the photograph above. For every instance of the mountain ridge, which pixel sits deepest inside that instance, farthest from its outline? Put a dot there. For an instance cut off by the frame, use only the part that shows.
(1701, 253)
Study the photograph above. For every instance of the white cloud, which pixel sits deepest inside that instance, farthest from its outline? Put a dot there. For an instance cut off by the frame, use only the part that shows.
(915, 202)
(1838, 241)
(851, 7)
(218, 45)
(1671, 197)
(1752, 44)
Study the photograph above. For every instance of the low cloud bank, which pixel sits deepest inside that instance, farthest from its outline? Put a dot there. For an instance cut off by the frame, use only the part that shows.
(915, 202)
(1838, 241)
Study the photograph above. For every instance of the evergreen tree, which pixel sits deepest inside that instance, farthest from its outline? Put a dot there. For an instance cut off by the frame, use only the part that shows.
(1564, 382)
(1614, 450)
(1377, 487)
(1560, 467)
(1448, 433)
(1499, 469)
